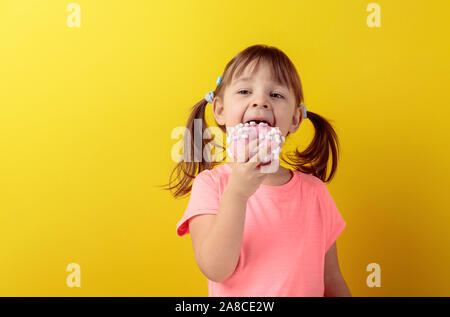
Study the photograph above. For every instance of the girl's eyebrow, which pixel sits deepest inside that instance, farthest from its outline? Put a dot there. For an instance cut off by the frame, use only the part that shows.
(242, 79)
(249, 79)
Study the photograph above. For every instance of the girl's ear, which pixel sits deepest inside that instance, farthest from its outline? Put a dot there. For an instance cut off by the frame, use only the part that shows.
(218, 110)
(297, 118)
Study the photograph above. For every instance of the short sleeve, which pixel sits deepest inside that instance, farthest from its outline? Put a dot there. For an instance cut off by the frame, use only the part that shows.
(333, 222)
(204, 199)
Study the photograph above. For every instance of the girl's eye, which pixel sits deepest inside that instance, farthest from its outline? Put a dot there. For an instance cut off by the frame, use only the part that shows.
(281, 96)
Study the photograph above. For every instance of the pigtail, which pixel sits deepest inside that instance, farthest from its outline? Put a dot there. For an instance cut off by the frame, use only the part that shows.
(318, 152)
(192, 162)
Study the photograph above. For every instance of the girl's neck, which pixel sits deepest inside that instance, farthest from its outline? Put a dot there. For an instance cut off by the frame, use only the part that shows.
(280, 177)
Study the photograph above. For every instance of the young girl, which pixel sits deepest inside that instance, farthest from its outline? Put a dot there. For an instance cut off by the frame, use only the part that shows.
(254, 233)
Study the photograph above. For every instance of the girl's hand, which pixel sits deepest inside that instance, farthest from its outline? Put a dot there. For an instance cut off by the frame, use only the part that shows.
(246, 176)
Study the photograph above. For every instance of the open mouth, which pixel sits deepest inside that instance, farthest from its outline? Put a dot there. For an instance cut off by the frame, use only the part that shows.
(258, 121)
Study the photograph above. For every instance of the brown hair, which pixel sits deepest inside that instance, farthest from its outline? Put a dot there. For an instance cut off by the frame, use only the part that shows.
(316, 154)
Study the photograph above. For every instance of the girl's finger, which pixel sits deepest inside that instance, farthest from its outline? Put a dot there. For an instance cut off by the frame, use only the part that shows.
(254, 159)
(265, 152)
(252, 148)
(262, 151)
(244, 149)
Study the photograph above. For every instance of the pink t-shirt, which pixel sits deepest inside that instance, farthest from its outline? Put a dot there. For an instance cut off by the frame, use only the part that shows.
(288, 229)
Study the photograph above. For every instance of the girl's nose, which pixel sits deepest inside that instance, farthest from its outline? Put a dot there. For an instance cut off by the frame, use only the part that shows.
(264, 105)
(260, 100)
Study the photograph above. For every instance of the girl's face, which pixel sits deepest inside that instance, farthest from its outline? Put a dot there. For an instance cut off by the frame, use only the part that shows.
(257, 96)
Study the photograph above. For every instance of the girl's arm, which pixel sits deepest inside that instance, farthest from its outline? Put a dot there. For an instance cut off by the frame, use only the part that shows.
(219, 252)
(335, 285)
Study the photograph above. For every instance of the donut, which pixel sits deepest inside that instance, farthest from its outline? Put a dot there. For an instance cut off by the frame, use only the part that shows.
(239, 136)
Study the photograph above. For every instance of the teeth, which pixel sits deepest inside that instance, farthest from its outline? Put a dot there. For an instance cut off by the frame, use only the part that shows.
(261, 122)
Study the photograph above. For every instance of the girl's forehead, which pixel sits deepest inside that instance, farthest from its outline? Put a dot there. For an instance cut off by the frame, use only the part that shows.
(251, 72)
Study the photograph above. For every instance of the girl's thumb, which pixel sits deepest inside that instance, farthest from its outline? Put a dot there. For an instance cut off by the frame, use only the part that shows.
(252, 148)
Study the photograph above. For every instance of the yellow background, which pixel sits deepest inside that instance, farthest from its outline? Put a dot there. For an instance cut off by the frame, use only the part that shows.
(86, 116)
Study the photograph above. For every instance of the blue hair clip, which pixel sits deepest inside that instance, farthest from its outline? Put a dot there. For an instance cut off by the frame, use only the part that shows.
(303, 110)
(210, 95)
